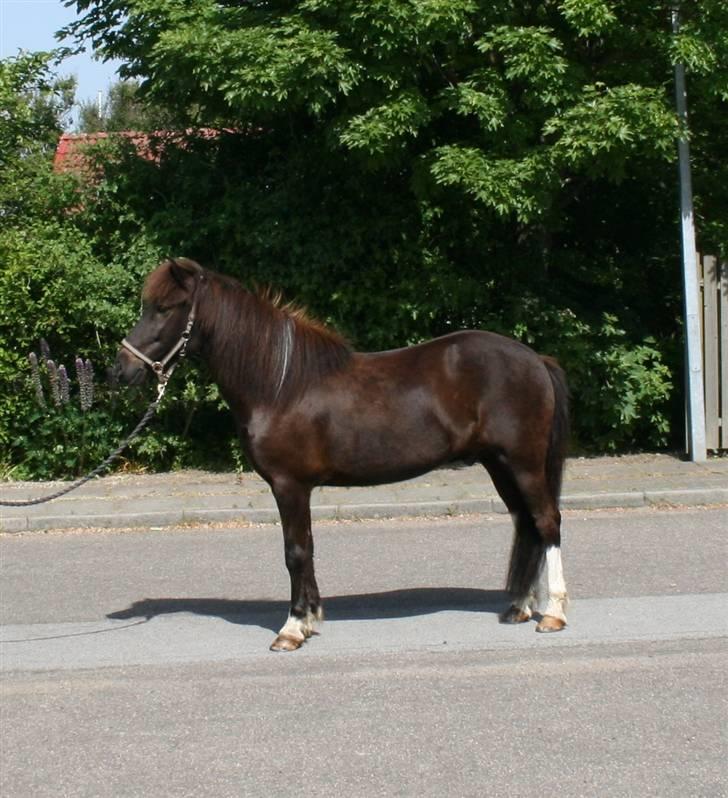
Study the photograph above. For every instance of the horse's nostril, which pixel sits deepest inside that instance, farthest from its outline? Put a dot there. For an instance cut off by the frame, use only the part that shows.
(126, 371)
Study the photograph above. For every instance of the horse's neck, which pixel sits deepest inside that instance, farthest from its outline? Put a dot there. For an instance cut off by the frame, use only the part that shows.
(250, 365)
(265, 355)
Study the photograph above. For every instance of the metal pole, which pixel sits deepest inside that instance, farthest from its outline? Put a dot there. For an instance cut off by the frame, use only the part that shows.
(693, 350)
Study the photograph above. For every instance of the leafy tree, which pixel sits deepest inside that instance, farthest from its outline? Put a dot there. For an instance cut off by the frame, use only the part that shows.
(122, 110)
(511, 106)
(33, 105)
(412, 167)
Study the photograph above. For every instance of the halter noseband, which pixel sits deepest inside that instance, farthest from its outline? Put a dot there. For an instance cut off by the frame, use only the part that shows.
(159, 367)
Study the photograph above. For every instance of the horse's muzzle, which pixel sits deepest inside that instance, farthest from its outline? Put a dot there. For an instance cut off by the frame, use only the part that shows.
(129, 370)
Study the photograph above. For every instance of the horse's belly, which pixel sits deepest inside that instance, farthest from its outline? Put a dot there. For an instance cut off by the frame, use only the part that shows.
(369, 453)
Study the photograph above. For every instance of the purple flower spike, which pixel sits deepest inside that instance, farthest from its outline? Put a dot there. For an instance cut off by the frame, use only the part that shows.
(35, 376)
(81, 375)
(63, 386)
(53, 378)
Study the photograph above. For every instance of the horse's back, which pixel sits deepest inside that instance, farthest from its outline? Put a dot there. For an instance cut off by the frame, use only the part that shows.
(473, 341)
(478, 360)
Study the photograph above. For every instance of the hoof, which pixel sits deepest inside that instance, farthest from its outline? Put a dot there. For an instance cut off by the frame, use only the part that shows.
(550, 624)
(286, 643)
(514, 615)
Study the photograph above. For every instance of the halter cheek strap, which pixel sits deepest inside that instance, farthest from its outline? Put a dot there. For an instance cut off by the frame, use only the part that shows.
(159, 367)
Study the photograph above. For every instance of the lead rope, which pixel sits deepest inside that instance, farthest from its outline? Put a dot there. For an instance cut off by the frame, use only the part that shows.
(146, 418)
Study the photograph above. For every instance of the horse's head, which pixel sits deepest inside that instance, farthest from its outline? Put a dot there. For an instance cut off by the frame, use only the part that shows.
(166, 326)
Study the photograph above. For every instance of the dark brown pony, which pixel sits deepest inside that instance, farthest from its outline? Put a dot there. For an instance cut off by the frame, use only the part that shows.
(310, 411)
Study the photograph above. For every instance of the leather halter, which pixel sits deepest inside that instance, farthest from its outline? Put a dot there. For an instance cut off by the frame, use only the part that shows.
(159, 367)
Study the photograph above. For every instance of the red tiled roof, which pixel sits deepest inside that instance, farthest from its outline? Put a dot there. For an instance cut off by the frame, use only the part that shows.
(70, 153)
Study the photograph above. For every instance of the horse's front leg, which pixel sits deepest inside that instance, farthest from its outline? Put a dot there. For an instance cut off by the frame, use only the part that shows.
(294, 505)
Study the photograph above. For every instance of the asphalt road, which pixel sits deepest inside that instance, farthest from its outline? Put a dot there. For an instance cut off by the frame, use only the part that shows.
(136, 663)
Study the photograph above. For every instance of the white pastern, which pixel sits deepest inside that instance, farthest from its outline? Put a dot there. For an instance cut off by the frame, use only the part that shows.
(295, 628)
(526, 604)
(558, 599)
(301, 628)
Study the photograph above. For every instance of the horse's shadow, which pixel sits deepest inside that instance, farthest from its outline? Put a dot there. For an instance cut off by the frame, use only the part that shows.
(365, 606)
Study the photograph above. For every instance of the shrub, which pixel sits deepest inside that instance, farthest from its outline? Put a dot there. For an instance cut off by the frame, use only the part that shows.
(620, 389)
(52, 287)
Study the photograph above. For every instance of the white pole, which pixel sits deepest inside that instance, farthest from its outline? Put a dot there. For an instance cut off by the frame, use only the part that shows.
(693, 350)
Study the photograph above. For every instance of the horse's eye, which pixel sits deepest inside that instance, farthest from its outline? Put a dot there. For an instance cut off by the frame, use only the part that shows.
(164, 310)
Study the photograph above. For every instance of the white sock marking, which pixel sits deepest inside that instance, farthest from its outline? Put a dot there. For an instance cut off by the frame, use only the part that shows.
(555, 584)
(294, 628)
(301, 628)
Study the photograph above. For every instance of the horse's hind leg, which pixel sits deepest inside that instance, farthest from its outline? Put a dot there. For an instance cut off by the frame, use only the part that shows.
(554, 616)
(537, 542)
(547, 519)
(527, 552)
(524, 570)
(294, 506)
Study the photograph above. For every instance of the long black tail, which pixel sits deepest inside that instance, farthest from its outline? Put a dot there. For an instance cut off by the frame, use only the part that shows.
(560, 429)
(528, 550)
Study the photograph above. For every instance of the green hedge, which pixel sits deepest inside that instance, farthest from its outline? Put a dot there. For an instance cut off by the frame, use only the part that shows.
(387, 276)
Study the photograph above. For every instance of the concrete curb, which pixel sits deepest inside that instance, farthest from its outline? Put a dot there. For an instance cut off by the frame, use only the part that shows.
(697, 497)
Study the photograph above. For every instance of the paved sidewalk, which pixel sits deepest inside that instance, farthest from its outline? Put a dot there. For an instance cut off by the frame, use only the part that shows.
(187, 497)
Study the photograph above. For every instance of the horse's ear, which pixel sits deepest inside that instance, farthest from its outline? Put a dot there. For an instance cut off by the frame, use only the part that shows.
(183, 270)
